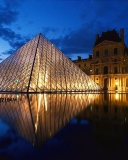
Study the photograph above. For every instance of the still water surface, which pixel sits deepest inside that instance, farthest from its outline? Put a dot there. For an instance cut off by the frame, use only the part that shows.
(64, 126)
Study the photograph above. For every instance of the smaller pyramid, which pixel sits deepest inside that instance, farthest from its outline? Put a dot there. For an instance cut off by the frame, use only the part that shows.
(39, 66)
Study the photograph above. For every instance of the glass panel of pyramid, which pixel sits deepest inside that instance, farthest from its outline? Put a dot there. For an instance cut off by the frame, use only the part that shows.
(39, 66)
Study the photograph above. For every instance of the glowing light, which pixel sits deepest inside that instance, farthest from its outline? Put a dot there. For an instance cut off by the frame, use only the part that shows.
(45, 102)
(116, 83)
(38, 109)
(117, 96)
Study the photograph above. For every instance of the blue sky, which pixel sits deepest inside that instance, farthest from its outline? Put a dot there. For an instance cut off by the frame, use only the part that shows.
(71, 25)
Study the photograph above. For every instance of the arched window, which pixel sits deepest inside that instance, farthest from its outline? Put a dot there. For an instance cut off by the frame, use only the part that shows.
(115, 50)
(106, 52)
(127, 82)
(115, 70)
(97, 53)
(105, 70)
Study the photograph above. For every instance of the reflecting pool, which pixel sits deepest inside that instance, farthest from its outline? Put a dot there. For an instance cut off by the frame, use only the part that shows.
(64, 126)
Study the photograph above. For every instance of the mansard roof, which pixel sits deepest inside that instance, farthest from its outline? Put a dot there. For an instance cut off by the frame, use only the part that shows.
(109, 35)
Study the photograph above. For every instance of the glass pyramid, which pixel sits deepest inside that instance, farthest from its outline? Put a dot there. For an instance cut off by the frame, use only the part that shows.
(38, 66)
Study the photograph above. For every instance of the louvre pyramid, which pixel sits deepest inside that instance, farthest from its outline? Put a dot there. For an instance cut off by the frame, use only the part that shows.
(38, 66)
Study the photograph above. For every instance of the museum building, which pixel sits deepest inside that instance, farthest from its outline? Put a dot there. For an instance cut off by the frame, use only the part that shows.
(108, 64)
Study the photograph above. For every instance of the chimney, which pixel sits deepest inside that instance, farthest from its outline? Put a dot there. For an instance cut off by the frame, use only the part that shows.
(122, 34)
(79, 58)
(90, 56)
(97, 37)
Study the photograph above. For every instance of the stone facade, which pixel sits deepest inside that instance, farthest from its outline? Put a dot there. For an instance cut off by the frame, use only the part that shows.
(108, 65)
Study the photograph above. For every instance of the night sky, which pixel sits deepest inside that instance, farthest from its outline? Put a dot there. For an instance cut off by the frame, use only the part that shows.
(71, 25)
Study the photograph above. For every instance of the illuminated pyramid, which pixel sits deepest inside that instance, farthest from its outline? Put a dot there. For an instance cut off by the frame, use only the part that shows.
(38, 66)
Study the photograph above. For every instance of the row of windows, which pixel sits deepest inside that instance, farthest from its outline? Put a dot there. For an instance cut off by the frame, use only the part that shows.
(82, 64)
(124, 70)
(105, 70)
(106, 52)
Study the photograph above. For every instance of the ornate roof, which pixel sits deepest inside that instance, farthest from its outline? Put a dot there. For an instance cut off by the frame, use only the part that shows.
(109, 35)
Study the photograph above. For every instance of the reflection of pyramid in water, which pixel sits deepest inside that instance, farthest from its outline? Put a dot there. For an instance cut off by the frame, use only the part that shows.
(39, 66)
(38, 117)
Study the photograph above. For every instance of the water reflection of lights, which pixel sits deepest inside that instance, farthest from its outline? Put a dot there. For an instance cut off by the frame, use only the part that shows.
(91, 97)
(48, 112)
(45, 102)
(38, 109)
(117, 96)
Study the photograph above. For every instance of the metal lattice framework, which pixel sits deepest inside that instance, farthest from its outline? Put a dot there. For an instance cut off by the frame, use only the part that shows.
(38, 66)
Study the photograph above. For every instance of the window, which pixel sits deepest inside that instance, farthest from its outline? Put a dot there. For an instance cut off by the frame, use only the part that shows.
(105, 70)
(115, 70)
(115, 50)
(97, 71)
(97, 53)
(123, 69)
(106, 52)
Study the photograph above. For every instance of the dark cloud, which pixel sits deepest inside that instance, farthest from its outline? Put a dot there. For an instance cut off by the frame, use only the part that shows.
(15, 40)
(77, 41)
(7, 13)
(12, 3)
(7, 16)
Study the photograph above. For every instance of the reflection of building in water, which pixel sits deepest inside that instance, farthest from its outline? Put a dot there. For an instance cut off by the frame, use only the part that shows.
(108, 114)
(38, 117)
